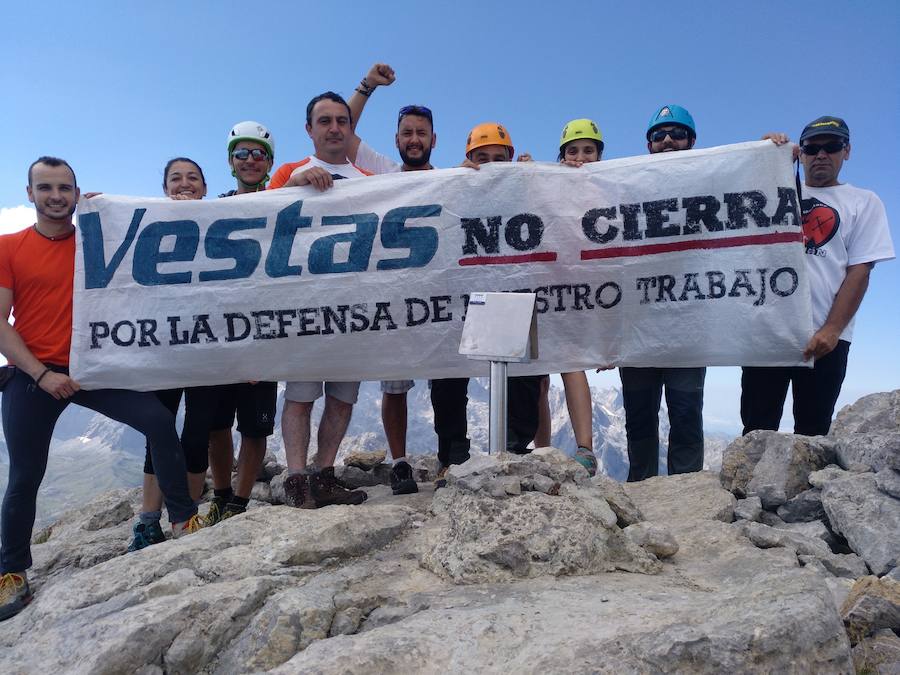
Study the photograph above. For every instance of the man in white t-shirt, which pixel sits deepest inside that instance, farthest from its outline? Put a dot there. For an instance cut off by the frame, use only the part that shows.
(328, 125)
(845, 231)
(415, 139)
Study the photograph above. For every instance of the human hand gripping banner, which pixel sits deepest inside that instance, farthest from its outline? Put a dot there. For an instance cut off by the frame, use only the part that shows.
(679, 259)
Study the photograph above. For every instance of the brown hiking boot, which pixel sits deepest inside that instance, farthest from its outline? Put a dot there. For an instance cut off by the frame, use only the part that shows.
(326, 491)
(296, 492)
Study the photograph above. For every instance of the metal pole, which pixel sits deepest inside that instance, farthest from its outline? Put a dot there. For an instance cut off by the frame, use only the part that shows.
(497, 425)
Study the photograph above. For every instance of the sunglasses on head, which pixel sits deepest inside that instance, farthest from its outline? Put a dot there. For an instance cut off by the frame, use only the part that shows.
(675, 133)
(255, 153)
(419, 110)
(812, 149)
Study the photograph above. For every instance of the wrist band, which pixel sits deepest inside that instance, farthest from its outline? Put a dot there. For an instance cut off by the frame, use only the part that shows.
(41, 377)
(364, 93)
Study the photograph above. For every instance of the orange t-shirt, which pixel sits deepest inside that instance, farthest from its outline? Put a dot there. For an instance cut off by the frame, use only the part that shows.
(40, 273)
(348, 170)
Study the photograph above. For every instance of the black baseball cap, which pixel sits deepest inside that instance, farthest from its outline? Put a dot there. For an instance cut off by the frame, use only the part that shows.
(826, 125)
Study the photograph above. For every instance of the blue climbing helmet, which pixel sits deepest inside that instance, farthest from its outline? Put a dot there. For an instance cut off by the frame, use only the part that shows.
(671, 114)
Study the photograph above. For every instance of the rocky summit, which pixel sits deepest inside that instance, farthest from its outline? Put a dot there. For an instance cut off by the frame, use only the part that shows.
(786, 561)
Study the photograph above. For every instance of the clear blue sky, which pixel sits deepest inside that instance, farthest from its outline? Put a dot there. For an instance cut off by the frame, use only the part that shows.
(119, 88)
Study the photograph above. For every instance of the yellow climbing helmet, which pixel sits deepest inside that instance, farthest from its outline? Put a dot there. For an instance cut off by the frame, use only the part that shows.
(489, 133)
(583, 128)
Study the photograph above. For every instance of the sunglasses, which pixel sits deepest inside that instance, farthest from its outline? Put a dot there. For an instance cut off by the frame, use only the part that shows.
(418, 110)
(676, 134)
(812, 149)
(255, 153)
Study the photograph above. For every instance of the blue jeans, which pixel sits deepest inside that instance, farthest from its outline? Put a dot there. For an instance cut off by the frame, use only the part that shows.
(29, 416)
(642, 393)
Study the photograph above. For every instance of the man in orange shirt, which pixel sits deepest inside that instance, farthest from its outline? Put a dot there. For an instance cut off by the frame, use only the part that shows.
(36, 284)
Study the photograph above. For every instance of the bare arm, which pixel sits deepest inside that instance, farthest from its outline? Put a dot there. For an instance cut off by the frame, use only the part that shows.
(14, 348)
(381, 74)
(846, 302)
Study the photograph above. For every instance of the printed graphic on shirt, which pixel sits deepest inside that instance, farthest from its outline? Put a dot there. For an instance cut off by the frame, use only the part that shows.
(820, 223)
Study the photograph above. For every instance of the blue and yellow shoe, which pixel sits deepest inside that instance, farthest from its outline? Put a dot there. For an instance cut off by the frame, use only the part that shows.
(146, 535)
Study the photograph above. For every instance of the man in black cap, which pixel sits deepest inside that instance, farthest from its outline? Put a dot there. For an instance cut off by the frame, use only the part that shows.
(845, 231)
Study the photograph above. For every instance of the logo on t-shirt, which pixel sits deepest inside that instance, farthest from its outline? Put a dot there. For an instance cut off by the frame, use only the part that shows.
(820, 223)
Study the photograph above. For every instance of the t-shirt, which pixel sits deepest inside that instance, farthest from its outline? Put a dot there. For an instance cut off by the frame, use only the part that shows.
(843, 225)
(369, 159)
(40, 272)
(347, 170)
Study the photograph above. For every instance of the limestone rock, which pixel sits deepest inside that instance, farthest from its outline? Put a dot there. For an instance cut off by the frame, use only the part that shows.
(425, 467)
(888, 481)
(682, 499)
(803, 508)
(276, 488)
(844, 565)
(867, 518)
(814, 529)
(484, 540)
(740, 458)
(654, 538)
(540, 483)
(873, 604)
(261, 492)
(868, 431)
(878, 654)
(614, 493)
(749, 508)
(769, 537)
(577, 626)
(365, 460)
(785, 465)
(831, 472)
(352, 477)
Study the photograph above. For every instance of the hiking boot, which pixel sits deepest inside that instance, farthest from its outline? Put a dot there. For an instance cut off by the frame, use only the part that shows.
(14, 594)
(146, 535)
(189, 526)
(402, 481)
(326, 491)
(587, 459)
(296, 492)
(216, 511)
(441, 480)
(232, 509)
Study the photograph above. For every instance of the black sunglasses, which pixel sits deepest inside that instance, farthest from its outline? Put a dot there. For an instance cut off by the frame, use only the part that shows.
(831, 147)
(676, 134)
(419, 110)
(244, 153)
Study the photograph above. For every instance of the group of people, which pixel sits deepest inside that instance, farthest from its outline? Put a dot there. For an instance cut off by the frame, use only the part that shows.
(36, 284)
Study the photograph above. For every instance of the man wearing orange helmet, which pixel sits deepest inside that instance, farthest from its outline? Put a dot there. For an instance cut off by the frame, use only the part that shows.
(486, 143)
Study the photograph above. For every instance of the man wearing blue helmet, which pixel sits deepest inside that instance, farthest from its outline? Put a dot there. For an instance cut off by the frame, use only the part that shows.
(671, 128)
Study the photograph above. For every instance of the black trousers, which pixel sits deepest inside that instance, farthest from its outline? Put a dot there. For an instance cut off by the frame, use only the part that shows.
(449, 398)
(815, 391)
(29, 416)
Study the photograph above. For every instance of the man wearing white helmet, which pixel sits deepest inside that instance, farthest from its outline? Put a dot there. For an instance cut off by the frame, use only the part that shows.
(251, 151)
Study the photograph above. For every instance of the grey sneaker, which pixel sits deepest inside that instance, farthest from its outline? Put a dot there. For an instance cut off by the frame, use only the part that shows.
(587, 459)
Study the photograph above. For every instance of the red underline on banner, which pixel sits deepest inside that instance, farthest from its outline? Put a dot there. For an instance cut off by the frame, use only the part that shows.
(648, 249)
(507, 259)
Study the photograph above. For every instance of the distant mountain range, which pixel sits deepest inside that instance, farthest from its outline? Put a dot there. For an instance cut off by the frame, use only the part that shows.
(91, 454)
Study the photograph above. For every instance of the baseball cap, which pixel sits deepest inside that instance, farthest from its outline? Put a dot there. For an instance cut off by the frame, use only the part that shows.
(832, 126)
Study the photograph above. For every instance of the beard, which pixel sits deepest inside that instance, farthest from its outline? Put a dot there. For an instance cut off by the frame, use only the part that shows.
(416, 161)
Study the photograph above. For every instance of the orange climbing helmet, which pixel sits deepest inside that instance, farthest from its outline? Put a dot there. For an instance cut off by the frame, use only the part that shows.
(489, 133)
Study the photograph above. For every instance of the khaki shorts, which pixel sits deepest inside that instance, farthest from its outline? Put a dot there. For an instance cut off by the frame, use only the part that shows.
(307, 392)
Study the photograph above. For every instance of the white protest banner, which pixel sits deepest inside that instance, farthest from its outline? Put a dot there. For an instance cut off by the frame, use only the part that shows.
(679, 259)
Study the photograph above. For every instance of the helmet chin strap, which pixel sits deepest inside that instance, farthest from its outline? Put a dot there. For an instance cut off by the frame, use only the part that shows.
(264, 180)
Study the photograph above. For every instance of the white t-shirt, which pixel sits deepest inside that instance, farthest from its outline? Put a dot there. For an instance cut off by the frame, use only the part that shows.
(347, 170)
(842, 226)
(371, 160)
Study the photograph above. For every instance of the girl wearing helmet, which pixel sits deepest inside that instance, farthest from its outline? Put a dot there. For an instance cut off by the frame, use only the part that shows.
(581, 142)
